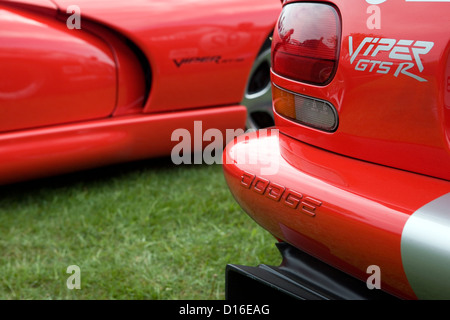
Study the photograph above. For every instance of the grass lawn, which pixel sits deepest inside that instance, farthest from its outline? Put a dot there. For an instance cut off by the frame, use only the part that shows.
(144, 230)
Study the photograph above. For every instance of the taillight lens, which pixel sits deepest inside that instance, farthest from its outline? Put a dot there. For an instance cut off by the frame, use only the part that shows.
(306, 42)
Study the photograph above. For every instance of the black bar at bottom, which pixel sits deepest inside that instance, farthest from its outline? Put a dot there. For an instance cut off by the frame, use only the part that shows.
(299, 277)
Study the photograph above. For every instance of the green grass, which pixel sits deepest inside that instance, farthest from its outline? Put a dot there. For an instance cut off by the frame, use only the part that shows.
(145, 230)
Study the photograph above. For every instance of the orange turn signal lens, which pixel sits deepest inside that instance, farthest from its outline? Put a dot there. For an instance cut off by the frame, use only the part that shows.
(311, 112)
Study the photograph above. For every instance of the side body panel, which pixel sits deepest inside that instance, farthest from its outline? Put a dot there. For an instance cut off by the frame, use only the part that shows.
(55, 150)
(116, 89)
(200, 52)
(50, 74)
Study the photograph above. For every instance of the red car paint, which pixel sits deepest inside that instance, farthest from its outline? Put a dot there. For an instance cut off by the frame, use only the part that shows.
(379, 120)
(346, 196)
(115, 89)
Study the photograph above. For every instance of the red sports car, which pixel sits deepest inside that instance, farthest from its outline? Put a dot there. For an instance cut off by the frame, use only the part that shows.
(89, 83)
(355, 182)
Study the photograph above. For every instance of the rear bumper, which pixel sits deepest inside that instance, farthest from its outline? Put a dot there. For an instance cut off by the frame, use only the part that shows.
(347, 213)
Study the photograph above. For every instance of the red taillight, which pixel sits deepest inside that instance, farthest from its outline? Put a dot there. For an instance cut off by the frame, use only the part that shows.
(306, 42)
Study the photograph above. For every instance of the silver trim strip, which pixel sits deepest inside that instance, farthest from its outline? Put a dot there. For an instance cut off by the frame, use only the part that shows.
(425, 249)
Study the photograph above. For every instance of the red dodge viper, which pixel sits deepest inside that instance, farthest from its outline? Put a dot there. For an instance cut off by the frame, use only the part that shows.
(89, 83)
(355, 180)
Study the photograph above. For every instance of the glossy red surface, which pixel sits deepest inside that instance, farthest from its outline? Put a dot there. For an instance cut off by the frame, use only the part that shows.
(349, 214)
(52, 75)
(345, 196)
(132, 72)
(46, 6)
(199, 50)
(60, 149)
(386, 116)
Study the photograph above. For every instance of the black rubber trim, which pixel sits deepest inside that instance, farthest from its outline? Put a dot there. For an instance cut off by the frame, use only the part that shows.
(299, 277)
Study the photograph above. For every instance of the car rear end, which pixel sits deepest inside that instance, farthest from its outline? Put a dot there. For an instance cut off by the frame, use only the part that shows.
(360, 159)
